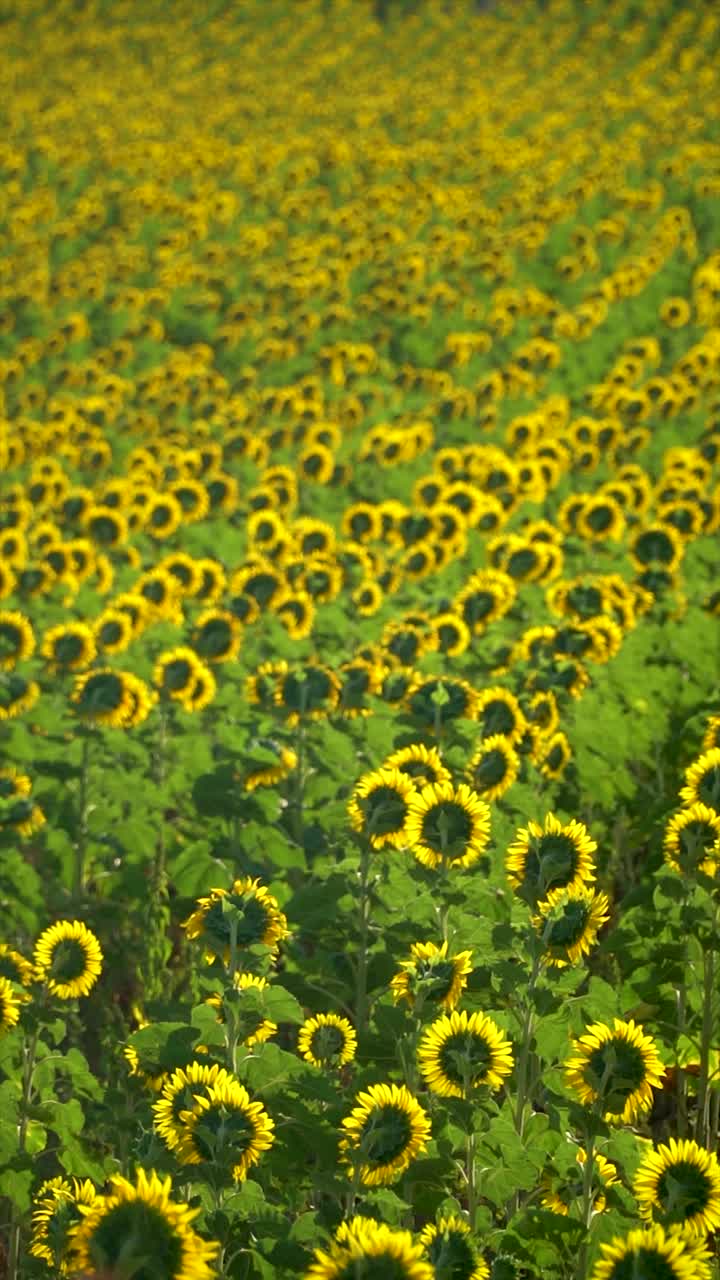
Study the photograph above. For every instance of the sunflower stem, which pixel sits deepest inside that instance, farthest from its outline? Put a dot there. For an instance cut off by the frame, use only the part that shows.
(361, 980)
(471, 1179)
(702, 1126)
(299, 815)
(82, 827)
(588, 1171)
(29, 1052)
(525, 1041)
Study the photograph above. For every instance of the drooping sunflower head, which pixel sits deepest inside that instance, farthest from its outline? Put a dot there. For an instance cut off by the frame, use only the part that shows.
(567, 923)
(615, 1068)
(461, 1052)
(431, 977)
(55, 1211)
(217, 636)
(556, 755)
(138, 1230)
(554, 856)
(247, 912)
(678, 1184)
(17, 695)
(419, 763)
(226, 1127)
(563, 1192)
(18, 812)
(692, 840)
(493, 767)
(269, 764)
(10, 1004)
(651, 1253)
(447, 825)
(17, 641)
(364, 1249)
(702, 781)
(379, 807)
(386, 1129)
(327, 1040)
(68, 959)
(450, 1249)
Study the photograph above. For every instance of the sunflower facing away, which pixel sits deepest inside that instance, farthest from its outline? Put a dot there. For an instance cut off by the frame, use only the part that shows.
(379, 807)
(54, 1211)
(568, 921)
(462, 1052)
(9, 1006)
(702, 781)
(384, 1132)
(226, 1127)
(253, 1028)
(616, 1068)
(327, 1040)
(447, 825)
(179, 1092)
(449, 1247)
(247, 908)
(560, 1195)
(137, 1230)
(364, 1250)
(430, 976)
(679, 1184)
(69, 959)
(650, 1253)
(550, 857)
(692, 840)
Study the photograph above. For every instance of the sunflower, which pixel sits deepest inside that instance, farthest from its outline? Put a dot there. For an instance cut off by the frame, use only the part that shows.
(692, 840)
(17, 695)
(493, 767)
(138, 1230)
(567, 922)
(54, 1212)
(550, 857)
(419, 763)
(449, 1247)
(113, 631)
(447, 825)
(178, 1092)
(68, 959)
(327, 1040)
(434, 701)
(271, 774)
(311, 691)
(679, 1184)
(386, 1129)
(18, 813)
(650, 1253)
(17, 641)
(486, 596)
(247, 910)
(616, 1068)
(108, 697)
(559, 1197)
(227, 1128)
(230, 1005)
(712, 734)
(296, 611)
(175, 673)
(453, 633)
(600, 518)
(702, 781)
(499, 712)
(556, 755)
(364, 1248)
(657, 545)
(14, 966)
(10, 1005)
(154, 1080)
(430, 976)
(462, 1052)
(202, 691)
(379, 807)
(217, 636)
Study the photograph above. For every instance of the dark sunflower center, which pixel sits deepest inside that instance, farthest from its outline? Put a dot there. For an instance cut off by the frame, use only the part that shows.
(477, 606)
(568, 640)
(9, 969)
(439, 702)
(68, 649)
(249, 915)
(178, 675)
(8, 788)
(615, 1070)
(327, 1043)
(554, 758)
(683, 1190)
(448, 636)
(105, 529)
(709, 787)
(69, 960)
(452, 1256)
(135, 1238)
(643, 1264)
(385, 811)
(11, 639)
(497, 717)
(222, 1131)
(110, 633)
(188, 498)
(522, 562)
(551, 862)
(102, 693)
(696, 841)
(308, 691)
(567, 928)
(160, 516)
(654, 544)
(418, 769)
(447, 828)
(490, 770)
(386, 1133)
(465, 1058)
(214, 639)
(405, 646)
(600, 518)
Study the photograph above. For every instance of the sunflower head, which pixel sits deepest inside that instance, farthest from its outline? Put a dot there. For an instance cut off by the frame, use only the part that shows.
(386, 1129)
(450, 1249)
(327, 1040)
(447, 825)
(430, 977)
(567, 923)
(243, 916)
(461, 1053)
(615, 1068)
(653, 1252)
(692, 840)
(68, 959)
(678, 1184)
(493, 767)
(554, 856)
(55, 1211)
(421, 764)
(379, 807)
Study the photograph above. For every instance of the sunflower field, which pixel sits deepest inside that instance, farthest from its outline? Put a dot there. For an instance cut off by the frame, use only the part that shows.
(359, 640)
